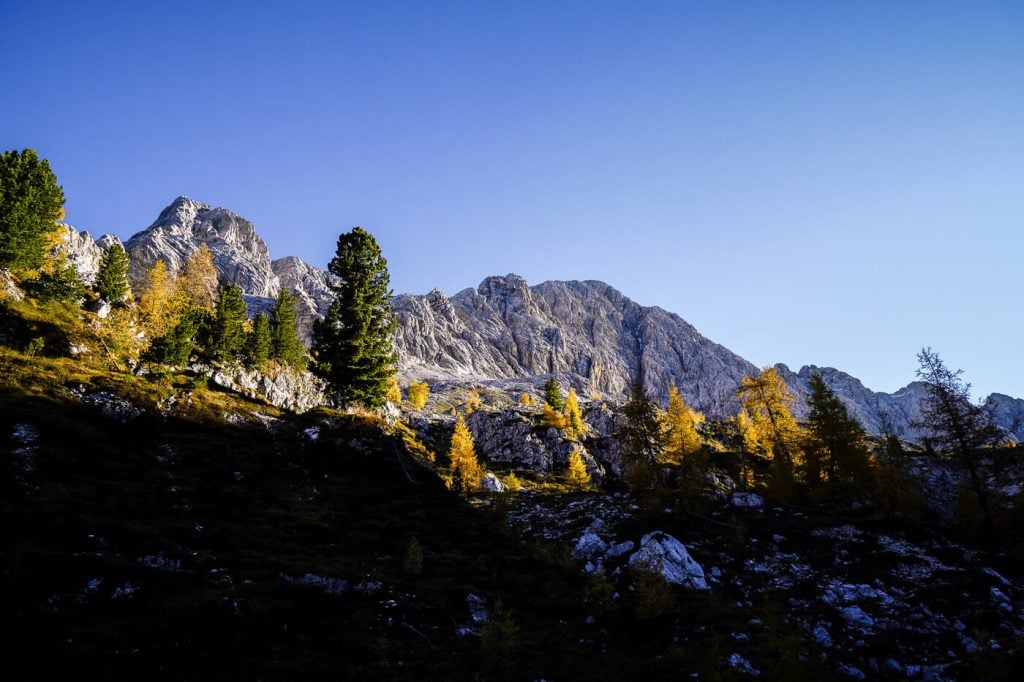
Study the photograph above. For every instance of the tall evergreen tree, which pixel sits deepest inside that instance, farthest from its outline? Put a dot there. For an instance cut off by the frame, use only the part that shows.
(31, 202)
(957, 427)
(260, 342)
(352, 345)
(835, 444)
(284, 331)
(228, 336)
(640, 438)
(553, 394)
(112, 278)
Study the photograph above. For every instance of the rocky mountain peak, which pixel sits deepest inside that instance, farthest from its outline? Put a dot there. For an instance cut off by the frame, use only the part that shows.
(239, 253)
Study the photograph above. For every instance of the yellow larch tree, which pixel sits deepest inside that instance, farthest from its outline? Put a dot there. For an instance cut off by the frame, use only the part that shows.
(768, 402)
(197, 280)
(466, 470)
(577, 473)
(574, 425)
(158, 306)
(680, 423)
(417, 393)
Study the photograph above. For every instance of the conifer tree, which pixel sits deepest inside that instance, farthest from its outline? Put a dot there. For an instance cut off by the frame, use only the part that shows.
(176, 346)
(768, 402)
(553, 394)
(577, 472)
(640, 439)
(112, 277)
(574, 425)
(681, 436)
(197, 280)
(836, 445)
(418, 392)
(394, 391)
(466, 470)
(259, 341)
(158, 307)
(352, 345)
(284, 331)
(31, 203)
(957, 427)
(229, 337)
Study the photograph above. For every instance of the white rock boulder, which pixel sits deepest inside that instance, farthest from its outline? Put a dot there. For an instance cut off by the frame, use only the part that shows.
(663, 554)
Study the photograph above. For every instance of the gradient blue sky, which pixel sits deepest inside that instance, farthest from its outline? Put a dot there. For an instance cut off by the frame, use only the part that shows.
(806, 182)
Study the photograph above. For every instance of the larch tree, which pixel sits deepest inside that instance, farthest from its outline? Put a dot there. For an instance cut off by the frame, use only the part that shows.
(31, 203)
(957, 427)
(835, 446)
(159, 306)
(112, 277)
(352, 345)
(284, 331)
(197, 280)
(466, 470)
(680, 422)
(577, 473)
(574, 424)
(418, 392)
(768, 402)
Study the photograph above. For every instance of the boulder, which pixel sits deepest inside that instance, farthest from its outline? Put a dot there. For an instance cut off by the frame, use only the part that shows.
(663, 554)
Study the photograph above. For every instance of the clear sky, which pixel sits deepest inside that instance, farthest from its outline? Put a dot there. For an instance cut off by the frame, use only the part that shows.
(830, 183)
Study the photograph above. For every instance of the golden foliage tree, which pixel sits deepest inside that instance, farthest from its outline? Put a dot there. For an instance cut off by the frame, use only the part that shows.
(466, 470)
(680, 423)
(418, 392)
(473, 401)
(197, 281)
(552, 417)
(577, 473)
(574, 425)
(394, 392)
(159, 306)
(748, 444)
(768, 402)
(527, 399)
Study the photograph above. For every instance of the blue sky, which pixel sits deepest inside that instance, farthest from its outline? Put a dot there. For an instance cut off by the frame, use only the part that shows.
(805, 182)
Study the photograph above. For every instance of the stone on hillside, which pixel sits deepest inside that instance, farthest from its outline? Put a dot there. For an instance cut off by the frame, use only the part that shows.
(590, 547)
(289, 389)
(492, 483)
(663, 554)
(749, 500)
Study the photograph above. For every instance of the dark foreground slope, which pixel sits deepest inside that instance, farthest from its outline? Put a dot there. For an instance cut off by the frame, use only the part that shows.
(188, 534)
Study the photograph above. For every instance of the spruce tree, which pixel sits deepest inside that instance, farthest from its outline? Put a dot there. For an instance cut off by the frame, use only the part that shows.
(836, 446)
(352, 345)
(260, 344)
(112, 278)
(31, 202)
(228, 336)
(553, 394)
(284, 331)
(640, 438)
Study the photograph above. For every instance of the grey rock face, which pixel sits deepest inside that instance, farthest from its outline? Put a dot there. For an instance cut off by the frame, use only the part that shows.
(663, 554)
(84, 252)
(312, 290)
(239, 254)
(297, 391)
(587, 333)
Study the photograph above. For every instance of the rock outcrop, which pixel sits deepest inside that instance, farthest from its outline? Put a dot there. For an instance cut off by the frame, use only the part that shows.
(84, 252)
(290, 390)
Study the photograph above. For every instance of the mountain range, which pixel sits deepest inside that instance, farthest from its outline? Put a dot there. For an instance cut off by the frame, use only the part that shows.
(507, 334)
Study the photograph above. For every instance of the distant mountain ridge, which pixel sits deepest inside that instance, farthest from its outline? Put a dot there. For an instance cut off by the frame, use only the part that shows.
(505, 332)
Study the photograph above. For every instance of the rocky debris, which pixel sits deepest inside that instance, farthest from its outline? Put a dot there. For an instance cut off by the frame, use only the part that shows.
(285, 388)
(332, 586)
(26, 438)
(742, 665)
(477, 608)
(160, 562)
(112, 406)
(663, 554)
(590, 547)
(492, 483)
(748, 500)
